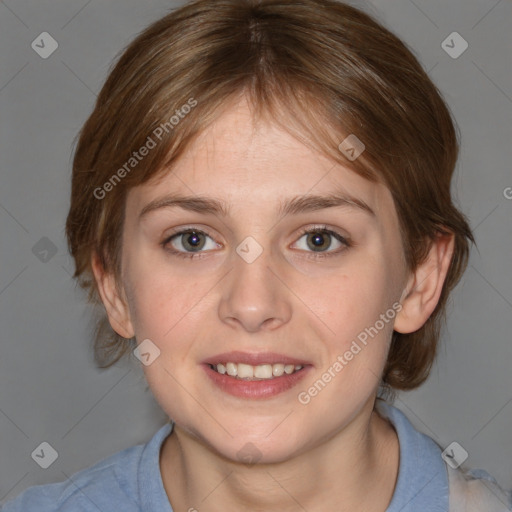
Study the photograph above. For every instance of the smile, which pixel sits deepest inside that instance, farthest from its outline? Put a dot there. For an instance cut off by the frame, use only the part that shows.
(260, 372)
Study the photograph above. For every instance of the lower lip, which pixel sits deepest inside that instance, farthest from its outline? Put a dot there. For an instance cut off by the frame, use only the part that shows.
(256, 389)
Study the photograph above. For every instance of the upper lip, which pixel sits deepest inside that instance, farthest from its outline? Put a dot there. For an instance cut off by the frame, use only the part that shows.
(254, 359)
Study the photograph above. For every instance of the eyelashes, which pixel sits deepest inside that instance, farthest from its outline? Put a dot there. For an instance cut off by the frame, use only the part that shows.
(324, 230)
(193, 234)
(192, 238)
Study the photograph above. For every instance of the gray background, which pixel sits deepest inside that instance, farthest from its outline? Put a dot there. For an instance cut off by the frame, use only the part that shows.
(49, 388)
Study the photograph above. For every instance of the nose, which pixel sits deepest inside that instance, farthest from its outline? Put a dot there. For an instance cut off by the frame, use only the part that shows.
(254, 296)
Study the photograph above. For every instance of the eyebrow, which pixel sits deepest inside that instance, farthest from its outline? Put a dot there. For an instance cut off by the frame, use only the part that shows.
(291, 206)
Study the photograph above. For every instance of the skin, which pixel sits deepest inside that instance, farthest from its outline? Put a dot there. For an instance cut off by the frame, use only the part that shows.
(336, 452)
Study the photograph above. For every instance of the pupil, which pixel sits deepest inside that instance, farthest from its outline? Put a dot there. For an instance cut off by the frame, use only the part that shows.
(319, 240)
(193, 240)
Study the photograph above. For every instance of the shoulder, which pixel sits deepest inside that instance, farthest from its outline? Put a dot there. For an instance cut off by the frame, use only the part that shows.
(110, 481)
(426, 479)
(476, 490)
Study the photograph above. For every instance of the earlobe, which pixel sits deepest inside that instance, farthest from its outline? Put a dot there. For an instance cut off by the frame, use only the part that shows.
(115, 306)
(424, 287)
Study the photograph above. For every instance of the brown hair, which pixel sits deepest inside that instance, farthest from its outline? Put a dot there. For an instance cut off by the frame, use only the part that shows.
(332, 69)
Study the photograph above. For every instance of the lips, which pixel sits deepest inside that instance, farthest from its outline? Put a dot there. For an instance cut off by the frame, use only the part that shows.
(261, 371)
(255, 376)
(253, 359)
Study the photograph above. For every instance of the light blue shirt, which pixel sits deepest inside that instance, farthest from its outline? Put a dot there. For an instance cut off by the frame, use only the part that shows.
(130, 480)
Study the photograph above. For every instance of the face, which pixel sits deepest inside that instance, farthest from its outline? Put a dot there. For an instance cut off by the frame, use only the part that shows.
(253, 274)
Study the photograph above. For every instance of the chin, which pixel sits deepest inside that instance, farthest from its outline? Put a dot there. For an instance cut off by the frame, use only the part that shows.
(257, 448)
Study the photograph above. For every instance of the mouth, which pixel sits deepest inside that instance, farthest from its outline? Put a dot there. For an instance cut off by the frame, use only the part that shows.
(249, 372)
(255, 376)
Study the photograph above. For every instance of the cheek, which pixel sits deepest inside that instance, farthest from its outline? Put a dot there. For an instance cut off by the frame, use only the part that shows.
(347, 303)
(356, 350)
(161, 298)
(358, 309)
(167, 308)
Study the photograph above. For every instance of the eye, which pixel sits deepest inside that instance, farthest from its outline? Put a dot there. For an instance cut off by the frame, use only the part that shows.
(189, 242)
(320, 239)
(193, 243)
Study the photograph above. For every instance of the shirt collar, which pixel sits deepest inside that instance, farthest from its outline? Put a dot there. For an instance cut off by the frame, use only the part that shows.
(422, 482)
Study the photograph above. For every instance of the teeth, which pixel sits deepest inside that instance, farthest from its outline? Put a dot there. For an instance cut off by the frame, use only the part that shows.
(289, 368)
(245, 371)
(262, 371)
(232, 369)
(277, 370)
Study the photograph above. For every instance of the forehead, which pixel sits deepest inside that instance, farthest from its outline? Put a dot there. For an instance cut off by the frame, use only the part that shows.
(247, 161)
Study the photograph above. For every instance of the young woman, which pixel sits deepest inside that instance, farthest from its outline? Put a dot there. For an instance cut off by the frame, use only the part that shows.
(261, 202)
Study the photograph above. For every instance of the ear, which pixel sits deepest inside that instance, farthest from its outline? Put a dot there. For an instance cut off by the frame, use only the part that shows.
(115, 305)
(424, 287)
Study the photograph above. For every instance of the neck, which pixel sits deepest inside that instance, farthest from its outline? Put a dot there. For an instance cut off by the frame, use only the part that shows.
(354, 470)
